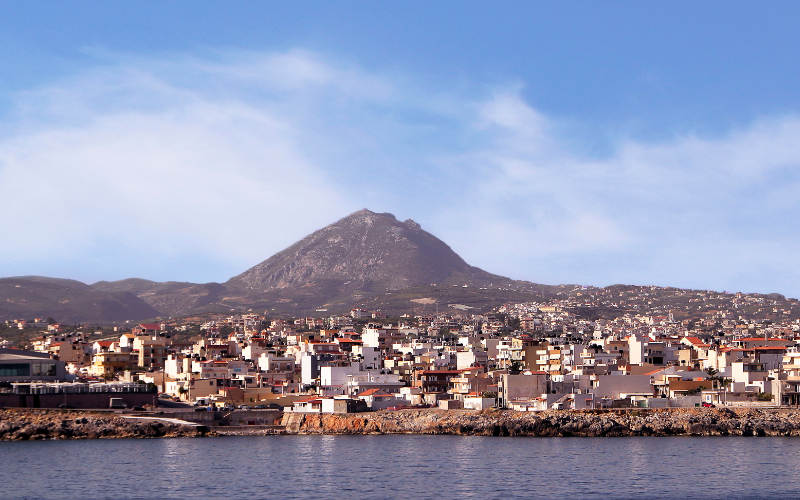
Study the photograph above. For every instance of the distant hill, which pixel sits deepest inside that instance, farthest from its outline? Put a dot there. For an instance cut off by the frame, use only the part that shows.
(67, 300)
(171, 298)
(368, 260)
(365, 259)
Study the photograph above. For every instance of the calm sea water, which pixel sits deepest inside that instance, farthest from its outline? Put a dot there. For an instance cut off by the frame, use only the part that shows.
(387, 467)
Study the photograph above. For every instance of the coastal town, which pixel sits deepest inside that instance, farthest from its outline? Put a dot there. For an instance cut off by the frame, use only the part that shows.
(738, 351)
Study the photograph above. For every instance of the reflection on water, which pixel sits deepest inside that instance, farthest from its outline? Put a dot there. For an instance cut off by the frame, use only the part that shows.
(382, 467)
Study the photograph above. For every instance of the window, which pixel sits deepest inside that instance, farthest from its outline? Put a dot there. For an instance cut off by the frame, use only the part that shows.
(15, 370)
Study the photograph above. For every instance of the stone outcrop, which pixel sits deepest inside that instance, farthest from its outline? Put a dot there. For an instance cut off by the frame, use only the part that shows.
(16, 425)
(671, 422)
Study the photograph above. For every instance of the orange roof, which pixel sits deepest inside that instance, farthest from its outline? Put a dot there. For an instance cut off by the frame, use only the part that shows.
(373, 392)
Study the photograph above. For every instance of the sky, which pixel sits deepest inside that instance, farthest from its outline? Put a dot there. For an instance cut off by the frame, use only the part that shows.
(556, 142)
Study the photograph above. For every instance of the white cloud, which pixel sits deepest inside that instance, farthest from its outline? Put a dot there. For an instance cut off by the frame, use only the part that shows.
(186, 174)
(195, 169)
(690, 212)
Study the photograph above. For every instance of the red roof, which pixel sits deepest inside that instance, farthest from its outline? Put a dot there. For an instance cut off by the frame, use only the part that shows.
(150, 326)
(307, 400)
(373, 392)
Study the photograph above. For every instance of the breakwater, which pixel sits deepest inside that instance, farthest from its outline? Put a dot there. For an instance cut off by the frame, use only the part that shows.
(19, 424)
(589, 423)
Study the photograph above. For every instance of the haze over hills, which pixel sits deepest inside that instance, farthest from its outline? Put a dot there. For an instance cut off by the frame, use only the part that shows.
(359, 259)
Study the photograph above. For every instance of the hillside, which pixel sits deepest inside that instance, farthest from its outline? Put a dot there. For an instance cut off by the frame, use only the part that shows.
(70, 301)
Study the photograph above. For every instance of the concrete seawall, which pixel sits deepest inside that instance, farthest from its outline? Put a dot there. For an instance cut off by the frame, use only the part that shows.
(673, 422)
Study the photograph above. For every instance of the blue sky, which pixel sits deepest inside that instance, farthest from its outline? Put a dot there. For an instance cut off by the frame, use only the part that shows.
(583, 142)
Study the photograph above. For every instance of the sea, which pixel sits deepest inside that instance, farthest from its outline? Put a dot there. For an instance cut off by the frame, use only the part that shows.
(402, 467)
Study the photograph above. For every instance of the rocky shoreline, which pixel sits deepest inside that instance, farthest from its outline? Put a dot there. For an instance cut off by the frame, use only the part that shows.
(666, 422)
(20, 425)
(29, 424)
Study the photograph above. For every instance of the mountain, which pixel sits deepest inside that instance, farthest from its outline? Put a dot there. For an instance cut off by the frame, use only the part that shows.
(367, 250)
(354, 260)
(366, 258)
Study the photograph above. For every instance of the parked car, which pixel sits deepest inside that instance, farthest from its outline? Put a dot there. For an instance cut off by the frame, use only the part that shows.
(709, 405)
(245, 407)
(260, 407)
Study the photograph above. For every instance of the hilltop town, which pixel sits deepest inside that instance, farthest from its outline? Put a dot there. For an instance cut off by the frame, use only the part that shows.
(588, 348)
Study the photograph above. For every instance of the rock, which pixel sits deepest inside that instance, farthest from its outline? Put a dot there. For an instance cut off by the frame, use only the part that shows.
(23, 424)
(656, 422)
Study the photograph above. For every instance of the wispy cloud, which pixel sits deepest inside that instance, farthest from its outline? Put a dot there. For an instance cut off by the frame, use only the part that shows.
(196, 168)
(688, 212)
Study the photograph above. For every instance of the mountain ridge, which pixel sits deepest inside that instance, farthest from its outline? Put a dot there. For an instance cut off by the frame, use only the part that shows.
(352, 261)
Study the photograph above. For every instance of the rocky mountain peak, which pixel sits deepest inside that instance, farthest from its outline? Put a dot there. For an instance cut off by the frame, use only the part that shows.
(365, 250)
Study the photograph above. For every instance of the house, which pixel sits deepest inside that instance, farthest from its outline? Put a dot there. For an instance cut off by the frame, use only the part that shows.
(110, 363)
(377, 399)
(26, 366)
(103, 346)
(435, 380)
(527, 385)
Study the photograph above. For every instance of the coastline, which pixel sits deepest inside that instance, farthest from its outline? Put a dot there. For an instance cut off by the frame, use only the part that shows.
(562, 423)
(38, 424)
